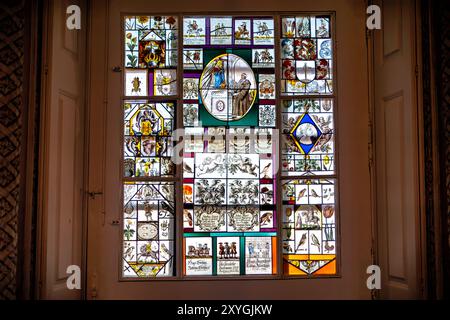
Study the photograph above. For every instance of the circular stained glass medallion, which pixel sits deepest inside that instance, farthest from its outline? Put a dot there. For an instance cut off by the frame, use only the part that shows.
(228, 87)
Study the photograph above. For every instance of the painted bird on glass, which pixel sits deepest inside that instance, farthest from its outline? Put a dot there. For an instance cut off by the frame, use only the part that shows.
(265, 171)
(314, 193)
(301, 242)
(288, 213)
(188, 216)
(266, 218)
(165, 251)
(167, 191)
(301, 194)
(328, 247)
(187, 168)
(288, 233)
(128, 252)
(315, 242)
(287, 247)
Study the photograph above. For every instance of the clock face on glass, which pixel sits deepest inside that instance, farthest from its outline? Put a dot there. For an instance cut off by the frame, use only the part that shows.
(147, 231)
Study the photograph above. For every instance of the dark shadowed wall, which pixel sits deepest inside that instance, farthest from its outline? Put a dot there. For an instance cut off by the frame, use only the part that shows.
(11, 133)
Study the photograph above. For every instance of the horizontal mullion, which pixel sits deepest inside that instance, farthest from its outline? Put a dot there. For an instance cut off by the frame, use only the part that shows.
(306, 96)
(296, 177)
(152, 179)
(187, 14)
(152, 98)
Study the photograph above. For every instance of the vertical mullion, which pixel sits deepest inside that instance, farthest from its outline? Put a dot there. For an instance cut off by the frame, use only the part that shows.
(337, 217)
(278, 113)
(178, 254)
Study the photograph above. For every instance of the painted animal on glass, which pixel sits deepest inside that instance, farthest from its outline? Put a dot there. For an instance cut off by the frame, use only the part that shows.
(263, 29)
(212, 164)
(136, 85)
(219, 30)
(190, 89)
(243, 192)
(242, 31)
(193, 29)
(190, 115)
(148, 252)
(327, 132)
(263, 56)
(307, 218)
(128, 251)
(266, 171)
(266, 219)
(210, 191)
(238, 163)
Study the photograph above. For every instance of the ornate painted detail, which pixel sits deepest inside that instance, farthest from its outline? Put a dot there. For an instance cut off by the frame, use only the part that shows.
(305, 133)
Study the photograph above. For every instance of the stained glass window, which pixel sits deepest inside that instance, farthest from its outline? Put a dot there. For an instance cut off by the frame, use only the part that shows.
(149, 120)
(309, 227)
(151, 56)
(148, 236)
(307, 146)
(306, 55)
(308, 137)
(230, 224)
(252, 115)
(148, 139)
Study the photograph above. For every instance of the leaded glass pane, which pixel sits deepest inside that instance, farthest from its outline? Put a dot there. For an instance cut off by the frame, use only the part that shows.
(150, 55)
(308, 137)
(147, 146)
(306, 55)
(229, 113)
(309, 227)
(231, 142)
(148, 229)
